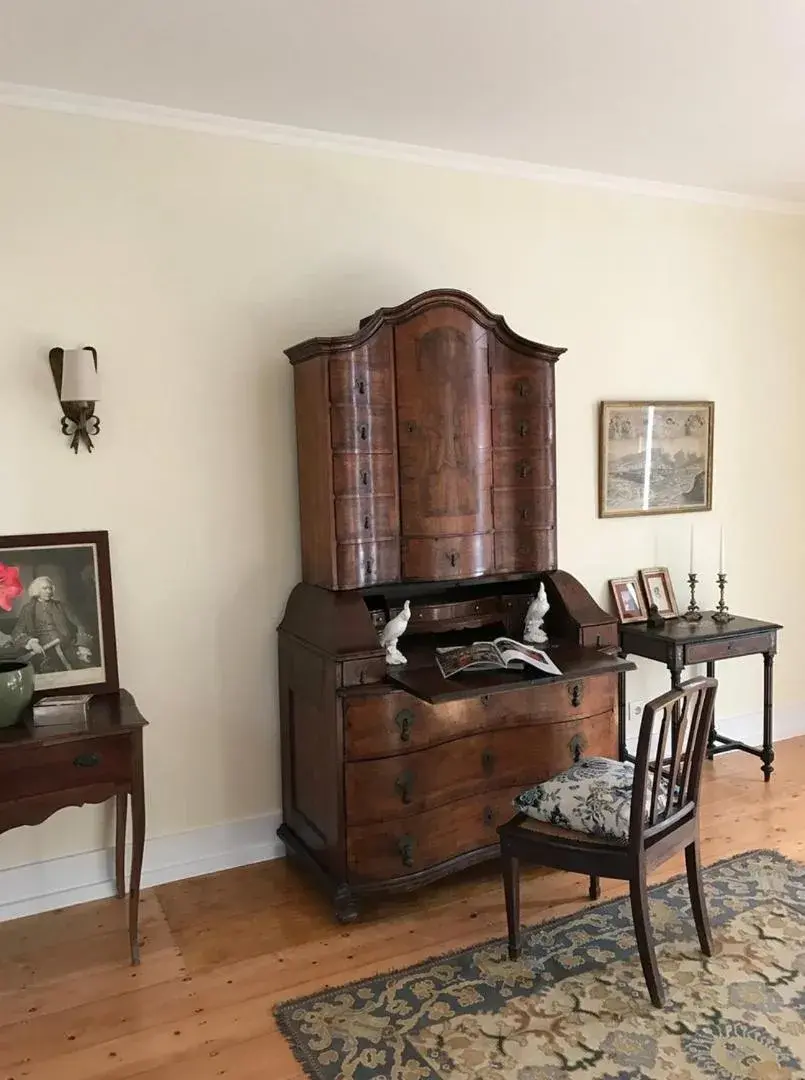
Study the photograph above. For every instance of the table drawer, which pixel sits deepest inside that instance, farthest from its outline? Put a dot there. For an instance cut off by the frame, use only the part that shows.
(39, 770)
(387, 788)
(722, 650)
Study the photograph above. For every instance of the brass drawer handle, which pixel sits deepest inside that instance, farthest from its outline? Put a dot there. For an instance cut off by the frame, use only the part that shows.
(404, 721)
(360, 385)
(577, 746)
(522, 388)
(523, 469)
(366, 522)
(363, 432)
(522, 429)
(411, 425)
(369, 567)
(488, 762)
(404, 785)
(87, 761)
(406, 846)
(576, 693)
(452, 557)
(524, 513)
(365, 478)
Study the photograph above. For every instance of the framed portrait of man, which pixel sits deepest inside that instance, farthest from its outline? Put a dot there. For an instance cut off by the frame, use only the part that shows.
(56, 610)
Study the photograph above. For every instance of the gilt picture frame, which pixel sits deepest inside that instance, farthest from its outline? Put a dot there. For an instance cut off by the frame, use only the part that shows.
(659, 590)
(655, 457)
(56, 610)
(630, 603)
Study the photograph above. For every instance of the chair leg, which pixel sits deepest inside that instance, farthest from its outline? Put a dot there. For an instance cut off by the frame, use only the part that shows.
(595, 887)
(638, 894)
(511, 886)
(697, 902)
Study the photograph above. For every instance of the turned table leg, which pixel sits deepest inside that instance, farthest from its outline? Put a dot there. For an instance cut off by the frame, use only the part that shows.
(121, 801)
(711, 735)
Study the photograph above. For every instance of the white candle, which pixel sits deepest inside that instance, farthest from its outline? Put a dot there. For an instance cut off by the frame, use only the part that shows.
(722, 561)
(691, 551)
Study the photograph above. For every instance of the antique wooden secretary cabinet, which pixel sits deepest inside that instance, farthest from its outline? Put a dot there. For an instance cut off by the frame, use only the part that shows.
(427, 473)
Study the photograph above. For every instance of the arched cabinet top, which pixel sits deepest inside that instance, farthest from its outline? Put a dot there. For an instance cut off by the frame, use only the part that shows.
(461, 301)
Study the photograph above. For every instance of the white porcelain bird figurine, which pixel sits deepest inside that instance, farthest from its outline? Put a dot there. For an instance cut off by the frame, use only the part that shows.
(537, 610)
(392, 632)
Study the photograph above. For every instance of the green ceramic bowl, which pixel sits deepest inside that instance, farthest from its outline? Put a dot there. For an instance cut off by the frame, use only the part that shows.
(16, 690)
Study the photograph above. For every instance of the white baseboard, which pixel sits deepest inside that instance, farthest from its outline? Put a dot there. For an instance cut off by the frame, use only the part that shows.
(75, 879)
(789, 721)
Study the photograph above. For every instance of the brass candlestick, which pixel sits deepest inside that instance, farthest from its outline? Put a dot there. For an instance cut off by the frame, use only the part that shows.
(722, 613)
(692, 614)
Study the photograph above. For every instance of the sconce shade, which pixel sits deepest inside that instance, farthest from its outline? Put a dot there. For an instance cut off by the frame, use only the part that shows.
(79, 381)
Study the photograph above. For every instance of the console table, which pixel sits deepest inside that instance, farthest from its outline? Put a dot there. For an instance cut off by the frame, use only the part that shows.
(44, 769)
(679, 643)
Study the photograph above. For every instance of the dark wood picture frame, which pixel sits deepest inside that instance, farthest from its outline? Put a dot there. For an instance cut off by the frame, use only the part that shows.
(106, 668)
(630, 604)
(681, 484)
(669, 610)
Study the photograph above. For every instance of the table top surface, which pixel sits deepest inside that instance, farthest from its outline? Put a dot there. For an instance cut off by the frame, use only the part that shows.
(680, 632)
(107, 714)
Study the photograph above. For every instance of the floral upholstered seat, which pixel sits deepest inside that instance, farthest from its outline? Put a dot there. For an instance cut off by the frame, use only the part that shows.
(594, 796)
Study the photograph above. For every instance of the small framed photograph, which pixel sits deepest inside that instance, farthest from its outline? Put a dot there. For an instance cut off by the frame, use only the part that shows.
(56, 610)
(658, 590)
(628, 599)
(655, 457)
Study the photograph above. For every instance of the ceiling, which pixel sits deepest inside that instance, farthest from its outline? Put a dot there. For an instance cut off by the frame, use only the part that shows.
(708, 93)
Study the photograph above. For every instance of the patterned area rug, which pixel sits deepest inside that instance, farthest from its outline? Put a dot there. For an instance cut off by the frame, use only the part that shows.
(576, 1003)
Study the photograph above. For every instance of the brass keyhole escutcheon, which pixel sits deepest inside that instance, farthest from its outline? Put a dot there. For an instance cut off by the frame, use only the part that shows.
(523, 470)
(366, 522)
(489, 816)
(363, 431)
(522, 388)
(404, 785)
(524, 514)
(576, 693)
(523, 429)
(411, 425)
(365, 478)
(452, 557)
(577, 746)
(361, 386)
(404, 721)
(369, 567)
(405, 846)
(488, 762)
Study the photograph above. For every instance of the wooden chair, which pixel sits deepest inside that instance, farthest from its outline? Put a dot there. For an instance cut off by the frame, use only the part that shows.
(662, 819)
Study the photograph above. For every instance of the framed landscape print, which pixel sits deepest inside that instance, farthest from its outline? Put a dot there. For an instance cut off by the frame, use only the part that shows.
(655, 457)
(629, 602)
(658, 590)
(56, 610)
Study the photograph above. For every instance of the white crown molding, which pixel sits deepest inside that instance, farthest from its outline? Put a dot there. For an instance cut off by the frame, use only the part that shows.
(34, 97)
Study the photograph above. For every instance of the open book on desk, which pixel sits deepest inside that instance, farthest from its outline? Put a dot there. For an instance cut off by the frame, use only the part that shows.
(503, 652)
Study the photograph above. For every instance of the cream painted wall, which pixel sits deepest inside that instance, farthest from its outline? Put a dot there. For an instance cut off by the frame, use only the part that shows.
(190, 261)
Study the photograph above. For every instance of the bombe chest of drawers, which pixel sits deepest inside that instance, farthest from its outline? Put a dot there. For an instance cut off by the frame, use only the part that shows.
(427, 473)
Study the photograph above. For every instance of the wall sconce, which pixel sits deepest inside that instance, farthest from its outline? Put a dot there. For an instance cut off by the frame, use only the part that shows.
(75, 373)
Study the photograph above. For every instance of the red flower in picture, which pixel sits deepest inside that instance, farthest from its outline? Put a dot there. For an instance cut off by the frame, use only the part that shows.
(10, 586)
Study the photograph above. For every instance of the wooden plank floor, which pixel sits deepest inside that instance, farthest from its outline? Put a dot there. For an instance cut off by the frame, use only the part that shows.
(219, 952)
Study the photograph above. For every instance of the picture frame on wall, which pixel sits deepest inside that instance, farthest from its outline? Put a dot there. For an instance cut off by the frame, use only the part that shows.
(658, 589)
(655, 457)
(630, 603)
(56, 610)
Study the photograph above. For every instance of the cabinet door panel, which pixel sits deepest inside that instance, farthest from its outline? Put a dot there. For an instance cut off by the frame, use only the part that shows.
(444, 424)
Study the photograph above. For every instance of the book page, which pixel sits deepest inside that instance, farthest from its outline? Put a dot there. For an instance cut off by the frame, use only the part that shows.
(511, 650)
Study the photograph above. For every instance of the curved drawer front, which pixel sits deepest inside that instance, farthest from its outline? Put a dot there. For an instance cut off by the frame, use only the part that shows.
(361, 429)
(364, 564)
(518, 382)
(526, 468)
(365, 519)
(388, 788)
(522, 425)
(523, 508)
(393, 722)
(427, 559)
(387, 850)
(363, 376)
(363, 474)
(526, 549)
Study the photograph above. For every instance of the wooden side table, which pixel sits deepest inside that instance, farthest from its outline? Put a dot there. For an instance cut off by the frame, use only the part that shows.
(679, 643)
(44, 769)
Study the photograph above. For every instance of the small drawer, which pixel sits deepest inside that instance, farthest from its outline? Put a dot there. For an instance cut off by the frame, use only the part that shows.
(527, 508)
(522, 383)
(27, 771)
(363, 474)
(365, 519)
(371, 669)
(522, 468)
(525, 549)
(361, 429)
(360, 565)
(361, 378)
(435, 559)
(722, 650)
(524, 426)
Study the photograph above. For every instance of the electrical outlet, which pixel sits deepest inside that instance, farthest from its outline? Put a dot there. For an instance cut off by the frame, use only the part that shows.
(636, 710)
